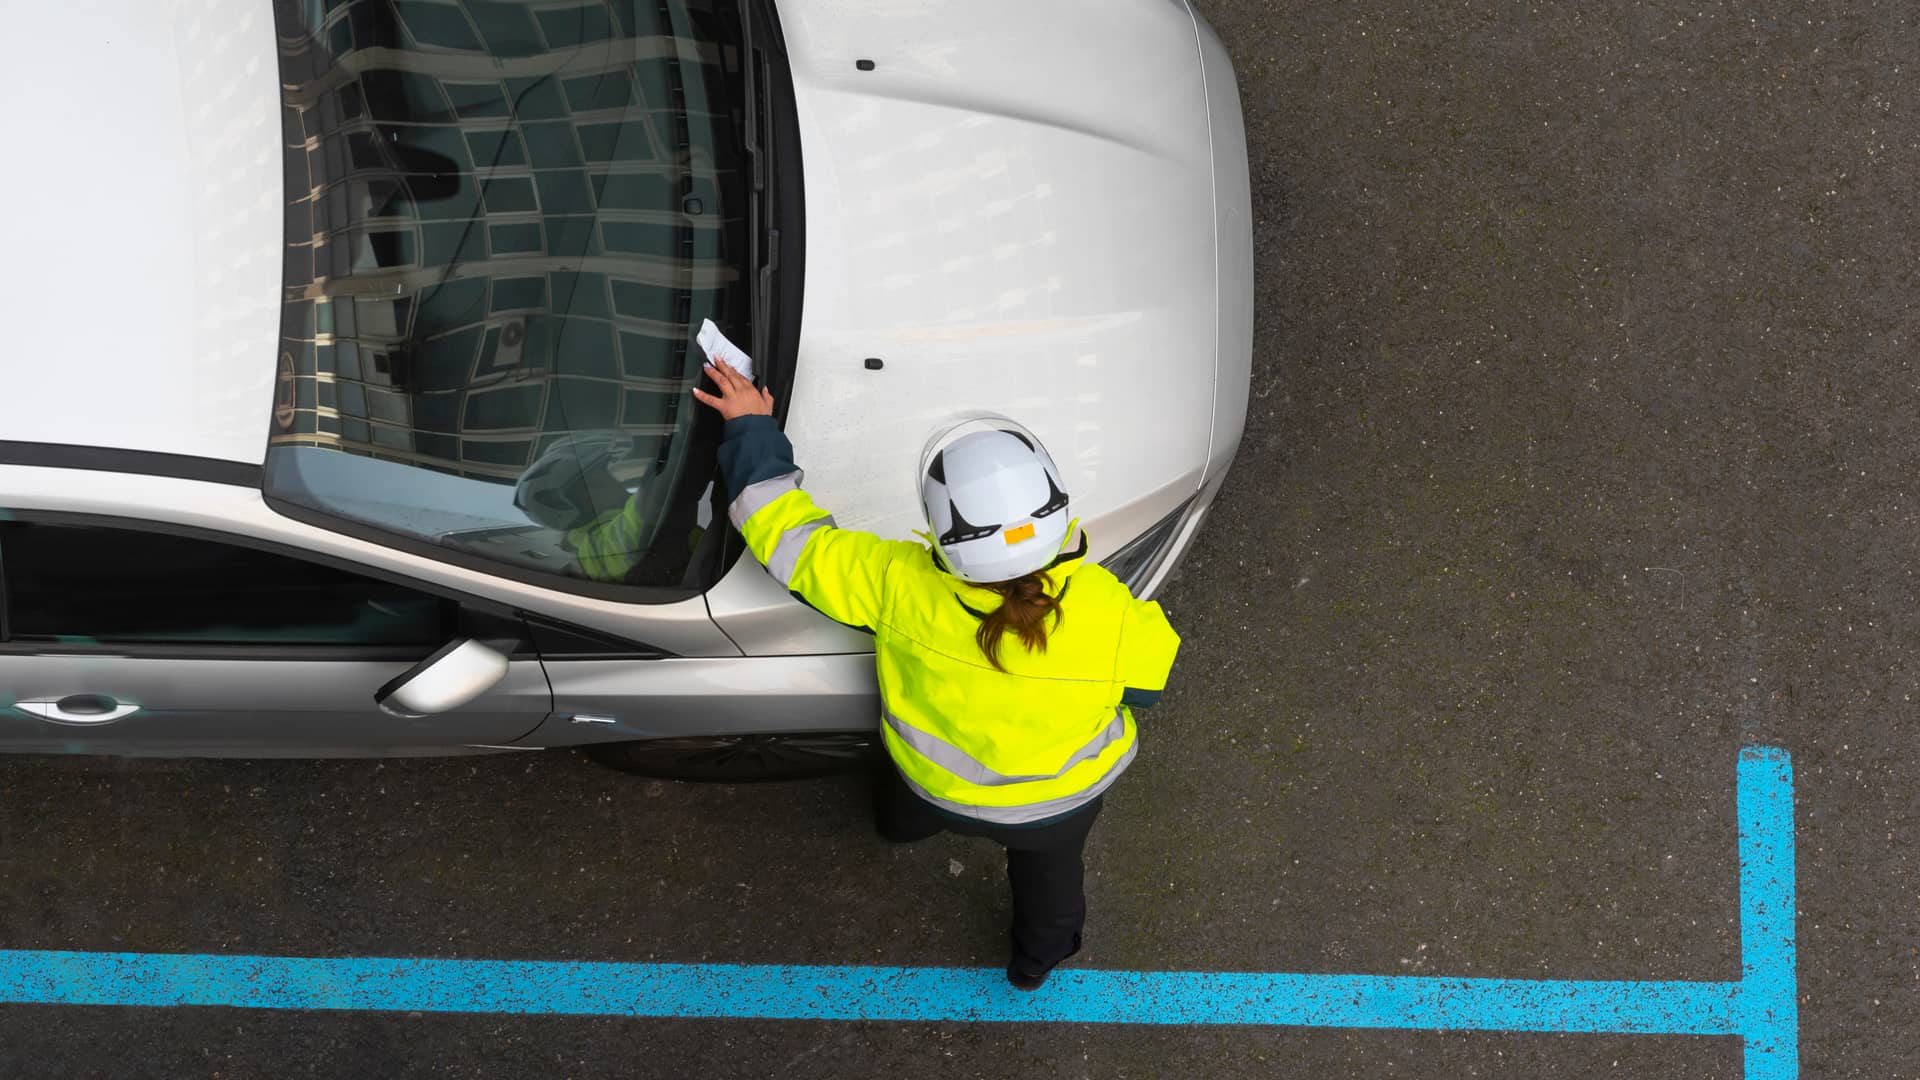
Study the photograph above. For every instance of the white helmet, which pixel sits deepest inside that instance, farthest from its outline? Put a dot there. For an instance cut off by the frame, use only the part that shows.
(993, 499)
(574, 482)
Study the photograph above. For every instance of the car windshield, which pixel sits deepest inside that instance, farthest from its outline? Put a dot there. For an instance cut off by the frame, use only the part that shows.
(505, 222)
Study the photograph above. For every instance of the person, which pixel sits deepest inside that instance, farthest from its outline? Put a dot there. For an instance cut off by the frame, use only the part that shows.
(1009, 665)
(571, 489)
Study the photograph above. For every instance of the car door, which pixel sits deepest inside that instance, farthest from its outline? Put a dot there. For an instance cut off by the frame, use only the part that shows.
(124, 637)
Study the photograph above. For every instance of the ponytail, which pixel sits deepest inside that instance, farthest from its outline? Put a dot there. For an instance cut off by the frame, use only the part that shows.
(1024, 607)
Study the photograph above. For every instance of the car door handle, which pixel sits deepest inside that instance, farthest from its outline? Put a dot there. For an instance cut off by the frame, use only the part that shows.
(78, 709)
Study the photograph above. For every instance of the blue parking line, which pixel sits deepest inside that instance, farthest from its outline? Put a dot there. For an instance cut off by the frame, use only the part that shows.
(769, 992)
(1760, 1007)
(1769, 982)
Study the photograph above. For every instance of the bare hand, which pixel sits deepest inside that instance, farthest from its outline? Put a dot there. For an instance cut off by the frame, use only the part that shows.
(737, 396)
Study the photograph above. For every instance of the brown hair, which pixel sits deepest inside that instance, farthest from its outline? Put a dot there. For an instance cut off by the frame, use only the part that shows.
(1024, 607)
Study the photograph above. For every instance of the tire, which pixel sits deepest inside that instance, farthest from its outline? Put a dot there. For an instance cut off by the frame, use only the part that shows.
(742, 758)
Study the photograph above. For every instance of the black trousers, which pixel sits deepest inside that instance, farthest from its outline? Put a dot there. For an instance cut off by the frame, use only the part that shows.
(1044, 865)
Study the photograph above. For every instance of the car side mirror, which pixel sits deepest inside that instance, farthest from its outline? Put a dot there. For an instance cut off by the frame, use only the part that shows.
(455, 674)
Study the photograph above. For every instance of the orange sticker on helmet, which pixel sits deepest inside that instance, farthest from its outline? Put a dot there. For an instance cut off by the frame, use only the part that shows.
(1024, 532)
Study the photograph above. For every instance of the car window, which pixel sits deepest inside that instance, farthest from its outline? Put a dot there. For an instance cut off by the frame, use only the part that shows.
(505, 220)
(88, 583)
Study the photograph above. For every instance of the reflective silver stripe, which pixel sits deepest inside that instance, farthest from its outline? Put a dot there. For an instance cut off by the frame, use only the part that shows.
(1021, 815)
(968, 768)
(786, 552)
(755, 497)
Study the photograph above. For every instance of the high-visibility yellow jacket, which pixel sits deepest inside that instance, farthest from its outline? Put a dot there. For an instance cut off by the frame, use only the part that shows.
(609, 546)
(1035, 741)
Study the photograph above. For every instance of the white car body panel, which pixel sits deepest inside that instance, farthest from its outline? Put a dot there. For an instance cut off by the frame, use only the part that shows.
(1233, 254)
(148, 315)
(1013, 211)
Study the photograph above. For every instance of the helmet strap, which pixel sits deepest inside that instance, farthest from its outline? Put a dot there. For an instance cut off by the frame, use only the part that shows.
(933, 546)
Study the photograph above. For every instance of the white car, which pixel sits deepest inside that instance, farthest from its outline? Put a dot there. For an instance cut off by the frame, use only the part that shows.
(297, 292)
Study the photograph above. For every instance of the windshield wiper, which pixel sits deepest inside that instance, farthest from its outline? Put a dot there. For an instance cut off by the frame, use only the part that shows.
(762, 237)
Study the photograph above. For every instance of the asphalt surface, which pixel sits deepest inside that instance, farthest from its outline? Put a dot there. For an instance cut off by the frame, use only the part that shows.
(1580, 456)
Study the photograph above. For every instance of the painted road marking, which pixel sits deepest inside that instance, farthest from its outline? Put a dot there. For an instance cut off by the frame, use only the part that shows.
(1769, 975)
(1760, 1007)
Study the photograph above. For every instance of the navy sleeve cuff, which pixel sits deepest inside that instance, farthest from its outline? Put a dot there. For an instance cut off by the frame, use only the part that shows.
(1139, 699)
(752, 449)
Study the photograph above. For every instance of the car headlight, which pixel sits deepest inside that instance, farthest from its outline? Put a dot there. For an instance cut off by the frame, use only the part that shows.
(1135, 563)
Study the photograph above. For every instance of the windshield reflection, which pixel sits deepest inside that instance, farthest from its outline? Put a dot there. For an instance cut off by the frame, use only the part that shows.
(503, 219)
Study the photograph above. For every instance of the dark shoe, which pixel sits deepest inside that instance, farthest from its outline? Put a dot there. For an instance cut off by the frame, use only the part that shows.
(1022, 980)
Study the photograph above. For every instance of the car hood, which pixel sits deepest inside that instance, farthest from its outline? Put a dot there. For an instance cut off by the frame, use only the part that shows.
(1013, 212)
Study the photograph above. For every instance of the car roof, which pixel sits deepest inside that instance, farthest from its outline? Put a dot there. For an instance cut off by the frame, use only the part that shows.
(144, 227)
